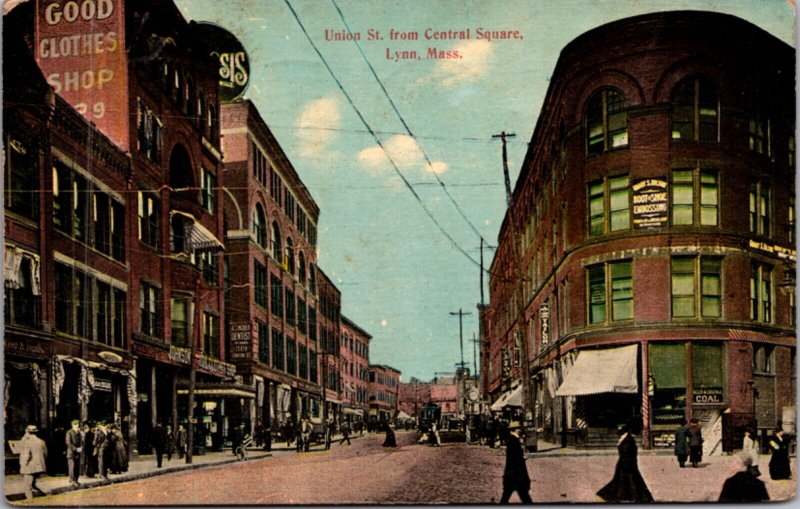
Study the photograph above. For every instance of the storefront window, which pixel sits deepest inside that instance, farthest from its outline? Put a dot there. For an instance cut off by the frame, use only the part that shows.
(707, 373)
(668, 369)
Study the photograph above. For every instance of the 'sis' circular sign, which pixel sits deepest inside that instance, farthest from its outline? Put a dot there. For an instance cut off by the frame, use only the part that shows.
(234, 64)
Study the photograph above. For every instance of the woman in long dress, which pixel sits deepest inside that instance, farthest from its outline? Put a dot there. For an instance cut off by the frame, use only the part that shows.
(750, 450)
(119, 453)
(627, 485)
(779, 467)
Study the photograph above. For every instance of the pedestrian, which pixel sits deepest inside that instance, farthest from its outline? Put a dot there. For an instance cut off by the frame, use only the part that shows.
(515, 474)
(750, 449)
(159, 441)
(436, 440)
(682, 444)
(32, 460)
(180, 441)
(329, 433)
(345, 433)
(492, 431)
(89, 468)
(305, 433)
(779, 467)
(627, 485)
(695, 442)
(267, 438)
(390, 440)
(101, 443)
(118, 449)
(467, 438)
(169, 446)
(74, 443)
(289, 431)
(258, 437)
(744, 486)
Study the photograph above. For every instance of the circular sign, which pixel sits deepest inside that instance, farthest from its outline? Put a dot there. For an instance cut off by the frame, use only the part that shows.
(473, 394)
(110, 357)
(234, 64)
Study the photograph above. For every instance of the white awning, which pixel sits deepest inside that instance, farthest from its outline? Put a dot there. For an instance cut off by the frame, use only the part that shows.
(508, 398)
(352, 411)
(197, 235)
(599, 371)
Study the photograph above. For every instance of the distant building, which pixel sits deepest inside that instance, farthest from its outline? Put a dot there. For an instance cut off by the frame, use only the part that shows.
(354, 371)
(384, 382)
(330, 329)
(655, 212)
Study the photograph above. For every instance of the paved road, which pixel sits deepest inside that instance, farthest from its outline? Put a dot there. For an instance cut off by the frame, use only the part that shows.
(366, 473)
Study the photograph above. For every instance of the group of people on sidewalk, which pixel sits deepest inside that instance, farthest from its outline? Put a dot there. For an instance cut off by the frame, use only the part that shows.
(165, 441)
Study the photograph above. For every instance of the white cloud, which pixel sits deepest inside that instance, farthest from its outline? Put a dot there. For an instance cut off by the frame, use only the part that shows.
(316, 125)
(384, 323)
(473, 65)
(405, 153)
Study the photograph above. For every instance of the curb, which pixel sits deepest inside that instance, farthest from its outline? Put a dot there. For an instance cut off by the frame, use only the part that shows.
(12, 497)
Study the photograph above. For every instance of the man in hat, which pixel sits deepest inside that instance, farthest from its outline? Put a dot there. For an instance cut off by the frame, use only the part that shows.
(744, 486)
(101, 442)
(515, 475)
(32, 460)
(74, 441)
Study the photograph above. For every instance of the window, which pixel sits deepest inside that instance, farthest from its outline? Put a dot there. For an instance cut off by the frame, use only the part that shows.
(312, 323)
(21, 177)
(695, 111)
(685, 286)
(762, 358)
(609, 205)
(289, 204)
(301, 268)
(291, 356)
(290, 307)
(260, 165)
(260, 276)
(181, 331)
(72, 302)
(695, 197)
(312, 279)
(312, 365)
(289, 263)
(302, 370)
(276, 289)
(760, 208)
(21, 296)
(606, 122)
(761, 292)
(312, 234)
(302, 323)
(148, 219)
(208, 190)
(208, 265)
(102, 311)
(619, 292)
(277, 349)
(277, 248)
(260, 226)
(759, 133)
(148, 130)
(275, 186)
(263, 343)
(790, 220)
(211, 335)
(149, 307)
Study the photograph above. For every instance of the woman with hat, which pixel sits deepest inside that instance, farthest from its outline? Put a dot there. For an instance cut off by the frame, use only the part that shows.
(627, 485)
(32, 459)
(515, 475)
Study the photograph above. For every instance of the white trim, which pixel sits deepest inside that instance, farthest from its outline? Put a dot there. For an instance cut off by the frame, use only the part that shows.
(100, 276)
(88, 176)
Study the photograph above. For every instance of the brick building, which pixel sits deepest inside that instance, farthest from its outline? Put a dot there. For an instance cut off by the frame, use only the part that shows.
(412, 396)
(271, 276)
(354, 370)
(384, 383)
(655, 211)
(330, 328)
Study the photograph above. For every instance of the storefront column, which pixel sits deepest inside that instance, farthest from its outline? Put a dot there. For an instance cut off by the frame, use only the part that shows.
(133, 398)
(153, 406)
(174, 379)
(645, 385)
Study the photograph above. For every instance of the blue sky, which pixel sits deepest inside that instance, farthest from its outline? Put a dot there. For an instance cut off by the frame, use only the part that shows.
(399, 275)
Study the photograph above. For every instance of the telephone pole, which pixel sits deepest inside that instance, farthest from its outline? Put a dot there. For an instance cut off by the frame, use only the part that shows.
(520, 329)
(460, 315)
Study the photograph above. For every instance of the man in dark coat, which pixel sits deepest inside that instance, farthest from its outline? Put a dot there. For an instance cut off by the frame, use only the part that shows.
(515, 475)
(695, 442)
(779, 467)
(744, 486)
(159, 442)
(681, 444)
(101, 443)
(89, 466)
(627, 485)
(74, 443)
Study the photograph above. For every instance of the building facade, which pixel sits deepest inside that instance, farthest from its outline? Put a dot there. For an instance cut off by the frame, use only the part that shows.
(384, 384)
(354, 371)
(330, 328)
(646, 289)
(271, 276)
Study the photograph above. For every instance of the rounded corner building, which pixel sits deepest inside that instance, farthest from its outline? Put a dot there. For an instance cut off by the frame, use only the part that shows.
(648, 259)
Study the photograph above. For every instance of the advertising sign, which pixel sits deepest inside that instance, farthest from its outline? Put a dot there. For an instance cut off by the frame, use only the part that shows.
(234, 64)
(707, 396)
(650, 203)
(80, 48)
(240, 341)
(544, 314)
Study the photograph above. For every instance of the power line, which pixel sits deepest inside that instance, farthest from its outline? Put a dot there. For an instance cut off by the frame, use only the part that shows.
(405, 125)
(377, 140)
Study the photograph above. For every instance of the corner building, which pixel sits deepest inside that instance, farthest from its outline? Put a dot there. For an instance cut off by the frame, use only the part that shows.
(655, 214)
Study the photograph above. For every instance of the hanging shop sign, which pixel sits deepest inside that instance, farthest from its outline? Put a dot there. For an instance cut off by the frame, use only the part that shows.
(102, 384)
(544, 315)
(110, 357)
(240, 341)
(650, 203)
(707, 396)
(234, 64)
(80, 48)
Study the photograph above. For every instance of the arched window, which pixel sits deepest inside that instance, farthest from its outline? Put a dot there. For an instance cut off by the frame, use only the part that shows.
(695, 111)
(181, 174)
(606, 121)
(290, 255)
(277, 248)
(312, 279)
(301, 267)
(201, 107)
(260, 226)
(177, 84)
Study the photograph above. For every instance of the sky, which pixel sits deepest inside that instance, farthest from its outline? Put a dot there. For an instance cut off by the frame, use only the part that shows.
(401, 275)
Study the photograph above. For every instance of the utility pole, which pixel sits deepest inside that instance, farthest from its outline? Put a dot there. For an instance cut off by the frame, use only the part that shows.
(475, 343)
(460, 315)
(521, 330)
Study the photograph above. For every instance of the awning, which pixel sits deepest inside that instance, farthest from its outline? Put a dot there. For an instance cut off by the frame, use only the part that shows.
(508, 398)
(598, 371)
(352, 411)
(231, 392)
(197, 235)
(402, 416)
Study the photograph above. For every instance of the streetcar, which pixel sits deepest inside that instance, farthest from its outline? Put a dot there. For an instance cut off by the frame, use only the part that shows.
(429, 414)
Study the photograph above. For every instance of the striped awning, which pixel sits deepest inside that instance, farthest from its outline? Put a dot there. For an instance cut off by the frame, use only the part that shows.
(508, 398)
(600, 371)
(197, 235)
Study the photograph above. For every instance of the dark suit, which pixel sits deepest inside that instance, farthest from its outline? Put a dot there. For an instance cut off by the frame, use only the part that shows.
(74, 441)
(515, 475)
(159, 442)
(100, 445)
(743, 487)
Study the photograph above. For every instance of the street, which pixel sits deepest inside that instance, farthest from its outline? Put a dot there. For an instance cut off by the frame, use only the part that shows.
(367, 473)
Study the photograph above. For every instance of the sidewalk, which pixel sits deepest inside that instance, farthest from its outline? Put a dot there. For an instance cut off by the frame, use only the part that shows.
(142, 467)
